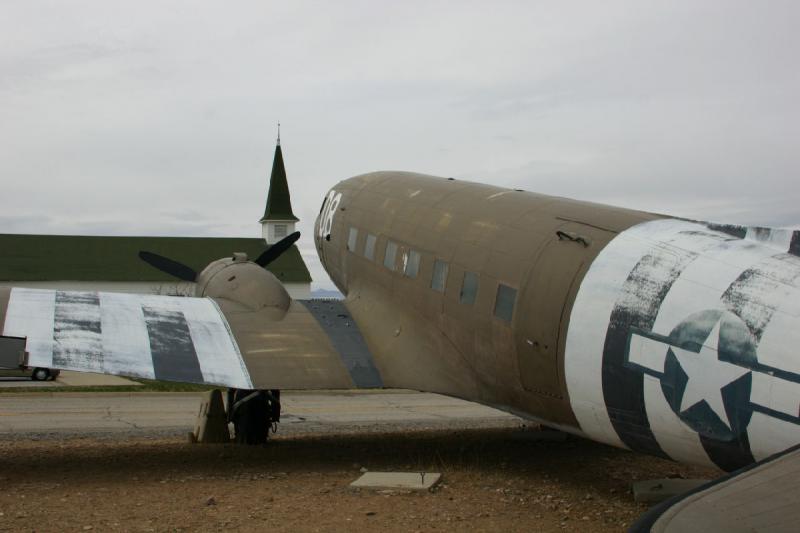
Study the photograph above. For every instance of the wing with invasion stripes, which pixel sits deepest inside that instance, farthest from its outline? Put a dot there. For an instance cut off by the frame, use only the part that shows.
(192, 340)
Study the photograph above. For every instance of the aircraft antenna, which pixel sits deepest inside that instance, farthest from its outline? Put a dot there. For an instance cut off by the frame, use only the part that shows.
(279, 133)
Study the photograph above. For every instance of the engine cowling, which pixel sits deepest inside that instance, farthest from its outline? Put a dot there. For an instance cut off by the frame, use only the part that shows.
(242, 281)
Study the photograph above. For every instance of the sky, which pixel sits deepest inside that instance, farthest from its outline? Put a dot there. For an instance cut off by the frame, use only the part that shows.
(159, 117)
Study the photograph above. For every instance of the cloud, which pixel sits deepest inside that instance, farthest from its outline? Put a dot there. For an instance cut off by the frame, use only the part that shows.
(160, 118)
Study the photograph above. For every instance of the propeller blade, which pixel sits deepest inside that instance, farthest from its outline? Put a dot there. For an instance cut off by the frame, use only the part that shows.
(276, 250)
(173, 268)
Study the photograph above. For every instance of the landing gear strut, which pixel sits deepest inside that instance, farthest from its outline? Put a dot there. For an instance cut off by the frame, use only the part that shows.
(253, 413)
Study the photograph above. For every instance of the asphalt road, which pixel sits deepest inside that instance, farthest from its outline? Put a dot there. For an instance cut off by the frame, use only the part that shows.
(58, 414)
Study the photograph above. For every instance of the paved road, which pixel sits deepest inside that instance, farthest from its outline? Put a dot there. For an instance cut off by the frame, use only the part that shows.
(57, 414)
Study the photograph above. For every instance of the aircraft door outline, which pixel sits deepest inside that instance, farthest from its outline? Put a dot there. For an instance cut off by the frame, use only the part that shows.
(549, 290)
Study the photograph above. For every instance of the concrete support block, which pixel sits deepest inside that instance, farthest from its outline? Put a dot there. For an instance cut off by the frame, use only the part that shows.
(397, 480)
(212, 421)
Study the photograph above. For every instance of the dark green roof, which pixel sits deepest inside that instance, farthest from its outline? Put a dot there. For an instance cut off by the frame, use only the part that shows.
(79, 258)
(279, 204)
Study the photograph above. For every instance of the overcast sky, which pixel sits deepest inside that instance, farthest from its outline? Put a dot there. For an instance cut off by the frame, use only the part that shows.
(158, 118)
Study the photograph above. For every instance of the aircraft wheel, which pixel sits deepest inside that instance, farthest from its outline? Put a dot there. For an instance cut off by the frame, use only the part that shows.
(40, 374)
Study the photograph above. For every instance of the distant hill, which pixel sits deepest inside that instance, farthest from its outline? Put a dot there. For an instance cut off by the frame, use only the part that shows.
(326, 293)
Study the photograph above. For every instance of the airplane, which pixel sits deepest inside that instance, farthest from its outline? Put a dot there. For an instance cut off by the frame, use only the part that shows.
(666, 336)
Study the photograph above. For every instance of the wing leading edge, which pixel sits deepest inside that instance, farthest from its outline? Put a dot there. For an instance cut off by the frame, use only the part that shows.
(192, 340)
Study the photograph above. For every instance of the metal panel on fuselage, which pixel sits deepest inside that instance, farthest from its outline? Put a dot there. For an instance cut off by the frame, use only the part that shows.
(541, 329)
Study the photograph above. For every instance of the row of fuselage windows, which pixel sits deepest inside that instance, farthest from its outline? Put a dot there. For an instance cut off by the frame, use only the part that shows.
(504, 298)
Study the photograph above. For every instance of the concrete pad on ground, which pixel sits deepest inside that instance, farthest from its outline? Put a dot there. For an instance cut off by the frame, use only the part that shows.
(397, 480)
(658, 490)
(86, 379)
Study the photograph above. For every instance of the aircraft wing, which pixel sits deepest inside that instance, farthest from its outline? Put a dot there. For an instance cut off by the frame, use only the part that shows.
(194, 340)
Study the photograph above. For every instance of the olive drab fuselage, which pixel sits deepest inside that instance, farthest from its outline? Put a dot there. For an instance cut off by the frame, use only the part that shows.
(550, 308)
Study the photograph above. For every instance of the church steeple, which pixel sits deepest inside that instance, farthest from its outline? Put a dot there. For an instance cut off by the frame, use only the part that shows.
(279, 219)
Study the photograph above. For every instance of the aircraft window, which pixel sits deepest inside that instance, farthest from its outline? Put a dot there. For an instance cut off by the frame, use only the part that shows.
(504, 303)
(439, 278)
(469, 288)
(369, 247)
(412, 264)
(280, 231)
(352, 239)
(390, 258)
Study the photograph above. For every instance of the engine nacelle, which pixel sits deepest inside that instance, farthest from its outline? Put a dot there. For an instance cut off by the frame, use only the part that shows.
(242, 281)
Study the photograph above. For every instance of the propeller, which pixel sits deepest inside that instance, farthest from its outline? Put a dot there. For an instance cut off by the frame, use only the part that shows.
(173, 268)
(181, 271)
(276, 250)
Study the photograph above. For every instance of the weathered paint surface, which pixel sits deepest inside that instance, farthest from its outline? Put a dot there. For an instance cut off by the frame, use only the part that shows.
(154, 337)
(334, 318)
(392, 233)
(681, 343)
(670, 337)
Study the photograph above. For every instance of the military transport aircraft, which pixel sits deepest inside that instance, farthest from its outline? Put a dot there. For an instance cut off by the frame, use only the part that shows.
(667, 336)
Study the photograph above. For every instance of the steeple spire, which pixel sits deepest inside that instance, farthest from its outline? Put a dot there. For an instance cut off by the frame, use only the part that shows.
(279, 219)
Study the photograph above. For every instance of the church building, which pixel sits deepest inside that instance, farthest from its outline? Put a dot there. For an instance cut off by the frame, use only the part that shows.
(112, 264)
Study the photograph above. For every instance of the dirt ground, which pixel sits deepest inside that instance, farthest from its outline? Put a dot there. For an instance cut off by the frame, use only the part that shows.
(494, 480)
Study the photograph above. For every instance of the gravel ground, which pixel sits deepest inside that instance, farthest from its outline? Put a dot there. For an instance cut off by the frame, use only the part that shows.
(496, 478)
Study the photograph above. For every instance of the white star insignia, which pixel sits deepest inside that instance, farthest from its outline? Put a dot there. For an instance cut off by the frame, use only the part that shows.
(707, 375)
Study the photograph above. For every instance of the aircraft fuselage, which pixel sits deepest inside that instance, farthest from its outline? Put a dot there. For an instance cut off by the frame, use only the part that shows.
(662, 335)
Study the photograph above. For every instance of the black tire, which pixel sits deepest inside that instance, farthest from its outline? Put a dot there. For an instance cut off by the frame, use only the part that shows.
(40, 374)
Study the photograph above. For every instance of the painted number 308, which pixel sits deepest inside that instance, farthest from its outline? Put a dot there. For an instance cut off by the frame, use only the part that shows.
(328, 212)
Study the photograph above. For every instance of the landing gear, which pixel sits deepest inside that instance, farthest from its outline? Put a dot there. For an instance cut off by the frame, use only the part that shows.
(253, 413)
